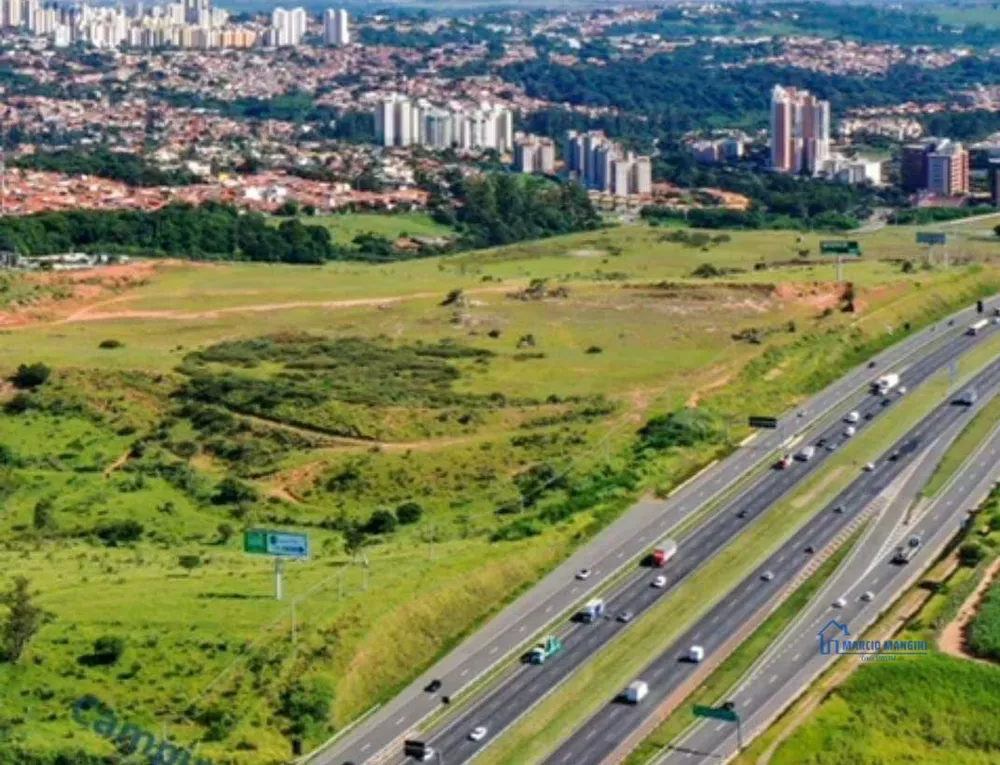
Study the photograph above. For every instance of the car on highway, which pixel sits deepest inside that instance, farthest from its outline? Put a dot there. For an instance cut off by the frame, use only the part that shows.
(849, 431)
(478, 733)
(868, 596)
(810, 549)
(832, 446)
(784, 462)
(767, 576)
(695, 654)
(852, 417)
(625, 617)
(894, 456)
(869, 415)
(901, 390)
(741, 514)
(871, 364)
(886, 401)
(839, 603)
(433, 686)
(659, 583)
(839, 509)
(583, 573)
(869, 467)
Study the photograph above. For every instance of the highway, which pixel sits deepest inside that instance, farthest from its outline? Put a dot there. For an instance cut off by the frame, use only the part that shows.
(617, 546)
(794, 661)
(524, 686)
(669, 676)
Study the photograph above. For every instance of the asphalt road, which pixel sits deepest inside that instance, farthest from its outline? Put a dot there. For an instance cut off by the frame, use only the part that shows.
(615, 722)
(631, 534)
(794, 661)
(524, 686)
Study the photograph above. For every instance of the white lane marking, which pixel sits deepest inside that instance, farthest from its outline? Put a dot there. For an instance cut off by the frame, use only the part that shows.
(621, 555)
(463, 673)
(522, 629)
(493, 650)
(773, 678)
(573, 591)
(548, 610)
(401, 720)
(366, 747)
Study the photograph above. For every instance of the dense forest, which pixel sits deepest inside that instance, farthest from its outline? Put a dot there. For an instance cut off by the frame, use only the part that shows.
(489, 210)
(120, 166)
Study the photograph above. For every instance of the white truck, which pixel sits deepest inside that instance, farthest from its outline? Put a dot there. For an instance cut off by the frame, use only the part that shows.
(591, 612)
(806, 454)
(974, 329)
(885, 383)
(637, 690)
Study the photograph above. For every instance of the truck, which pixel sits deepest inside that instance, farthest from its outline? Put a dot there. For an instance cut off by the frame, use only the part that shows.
(591, 612)
(968, 398)
(637, 690)
(885, 383)
(547, 648)
(806, 454)
(663, 553)
(904, 553)
(975, 329)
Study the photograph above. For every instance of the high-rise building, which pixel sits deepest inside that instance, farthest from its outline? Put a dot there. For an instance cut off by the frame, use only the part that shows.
(601, 164)
(800, 131)
(937, 165)
(336, 28)
(534, 155)
(287, 26)
(401, 122)
(994, 175)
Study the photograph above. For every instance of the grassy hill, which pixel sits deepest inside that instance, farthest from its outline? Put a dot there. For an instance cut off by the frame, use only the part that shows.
(502, 391)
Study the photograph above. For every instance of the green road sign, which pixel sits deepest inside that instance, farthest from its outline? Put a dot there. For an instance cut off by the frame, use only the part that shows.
(840, 247)
(931, 238)
(769, 423)
(719, 713)
(282, 544)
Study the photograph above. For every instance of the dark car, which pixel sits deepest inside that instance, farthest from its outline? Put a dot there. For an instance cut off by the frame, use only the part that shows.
(886, 401)
(894, 456)
(741, 514)
(810, 550)
(821, 442)
(871, 364)
(869, 415)
(433, 686)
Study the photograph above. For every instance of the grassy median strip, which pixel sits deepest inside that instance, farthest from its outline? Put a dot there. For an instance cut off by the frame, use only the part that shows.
(967, 442)
(729, 672)
(539, 732)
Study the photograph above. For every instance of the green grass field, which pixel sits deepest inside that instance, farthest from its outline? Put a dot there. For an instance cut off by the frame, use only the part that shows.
(370, 394)
(345, 226)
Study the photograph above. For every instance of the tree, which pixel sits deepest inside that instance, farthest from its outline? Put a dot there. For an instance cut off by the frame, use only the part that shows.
(354, 538)
(42, 516)
(23, 621)
(108, 649)
(381, 522)
(971, 553)
(189, 562)
(225, 533)
(409, 512)
(233, 491)
(30, 375)
(306, 704)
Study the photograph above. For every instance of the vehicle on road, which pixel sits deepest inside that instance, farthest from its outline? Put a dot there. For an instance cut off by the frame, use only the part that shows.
(741, 514)
(659, 583)
(663, 553)
(869, 415)
(904, 554)
(591, 612)
(869, 467)
(767, 576)
(852, 417)
(696, 653)
(478, 733)
(433, 686)
(839, 603)
(868, 596)
(810, 549)
(546, 649)
(885, 383)
(895, 455)
(968, 398)
(625, 617)
(914, 541)
(784, 462)
(871, 364)
(832, 446)
(886, 401)
(901, 390)
(849, 431)
(583, 573)
(839, 509)
(806, 454)
(977, 327)
(427, 755)
(637, 690)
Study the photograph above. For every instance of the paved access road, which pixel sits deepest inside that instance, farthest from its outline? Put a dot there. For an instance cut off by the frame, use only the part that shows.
(603, 734)
(619, 544)
(793, 662)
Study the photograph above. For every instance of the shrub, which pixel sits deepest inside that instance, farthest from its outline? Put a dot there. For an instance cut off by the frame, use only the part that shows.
(522, 528)
(115, 533)
(30, 376)
(108, 649)
(409, 512)
(306, 704)
(233, 491)
(381, 522)
(110, 343)
(971, 553)
(685, 427)
(189, 562)
(595, 349)
(42, 515)
(21, 402)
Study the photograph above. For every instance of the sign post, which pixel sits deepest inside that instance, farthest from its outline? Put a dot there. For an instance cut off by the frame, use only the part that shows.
(932, 239)
(727, 713)
(840, 248)
(767, 423)
(280, 544)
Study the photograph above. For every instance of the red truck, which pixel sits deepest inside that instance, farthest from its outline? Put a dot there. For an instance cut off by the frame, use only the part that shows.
(663, 553)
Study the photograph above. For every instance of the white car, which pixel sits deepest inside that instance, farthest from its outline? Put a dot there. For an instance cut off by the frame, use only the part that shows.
(839, 603)
(767, 576)
(660, 582)
(852, 417)
(901, 390)
(583, 573)
(696, 653)
(849, 431)
(868, 597)
(869, 467)
(478, 734)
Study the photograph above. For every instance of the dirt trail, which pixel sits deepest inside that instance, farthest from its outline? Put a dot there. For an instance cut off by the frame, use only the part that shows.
(118, 463)
(952, 640)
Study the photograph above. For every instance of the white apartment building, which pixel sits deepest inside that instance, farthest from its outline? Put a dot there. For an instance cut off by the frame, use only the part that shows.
(336, 27)
(287, 26)
(402, 122)
(602, 165)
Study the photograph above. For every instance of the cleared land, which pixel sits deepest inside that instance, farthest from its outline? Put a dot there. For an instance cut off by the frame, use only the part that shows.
(243, 395)
(346, 226)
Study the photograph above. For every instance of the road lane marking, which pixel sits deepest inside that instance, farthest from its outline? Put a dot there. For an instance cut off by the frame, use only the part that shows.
(493, 650)
(401, 720)
(366, 747)
(464, 673)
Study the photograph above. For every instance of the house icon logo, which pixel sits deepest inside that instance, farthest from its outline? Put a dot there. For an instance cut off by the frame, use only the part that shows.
(829, 637)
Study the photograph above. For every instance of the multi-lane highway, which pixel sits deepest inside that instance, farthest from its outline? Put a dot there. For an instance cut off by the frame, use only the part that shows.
(524, 686)
(794, 661)
(603, 735)
(614, 548)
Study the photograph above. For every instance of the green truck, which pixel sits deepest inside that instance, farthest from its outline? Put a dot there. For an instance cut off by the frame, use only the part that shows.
(550, 646)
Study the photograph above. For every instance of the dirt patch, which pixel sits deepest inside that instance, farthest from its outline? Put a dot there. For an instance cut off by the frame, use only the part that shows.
(586, 253)
(809, 496)
(952, 639)
(695, 398)
(818, 295)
